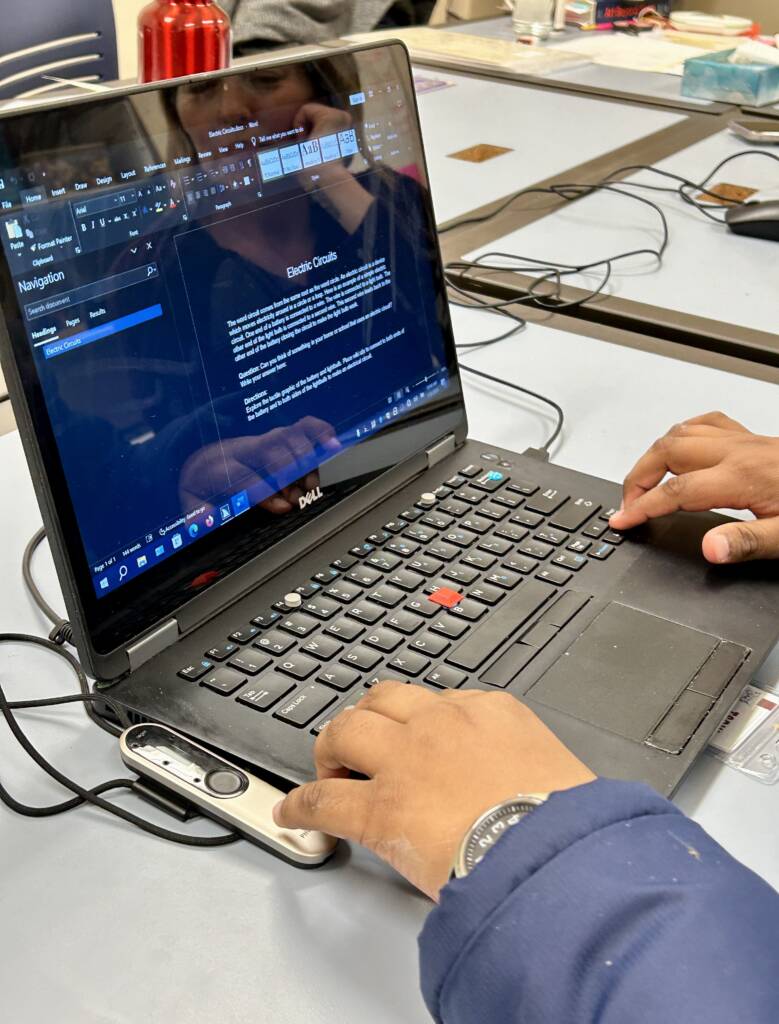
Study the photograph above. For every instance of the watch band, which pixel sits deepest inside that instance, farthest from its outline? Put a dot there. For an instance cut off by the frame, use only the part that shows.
(490, 826)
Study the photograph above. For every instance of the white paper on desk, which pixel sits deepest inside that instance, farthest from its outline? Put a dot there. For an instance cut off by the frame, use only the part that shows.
(634, 53)
(478, 51)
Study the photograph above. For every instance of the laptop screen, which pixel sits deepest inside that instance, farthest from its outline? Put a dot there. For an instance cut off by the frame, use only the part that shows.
(220, 295)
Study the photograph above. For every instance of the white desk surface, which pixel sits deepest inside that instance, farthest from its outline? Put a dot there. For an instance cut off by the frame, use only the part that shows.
(645, 84)
(707, 271)
(479, 110)
(102, 923)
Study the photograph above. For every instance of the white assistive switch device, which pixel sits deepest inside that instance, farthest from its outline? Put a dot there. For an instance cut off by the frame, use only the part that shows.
(220, 790)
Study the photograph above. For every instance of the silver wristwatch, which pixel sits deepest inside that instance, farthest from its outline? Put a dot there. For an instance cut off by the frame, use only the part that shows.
(488, 829)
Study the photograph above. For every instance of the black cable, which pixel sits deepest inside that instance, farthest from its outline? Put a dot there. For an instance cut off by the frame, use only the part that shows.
(62, 632)
(82, 795)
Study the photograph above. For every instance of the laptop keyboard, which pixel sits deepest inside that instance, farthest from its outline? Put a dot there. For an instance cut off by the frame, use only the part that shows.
(429, 596)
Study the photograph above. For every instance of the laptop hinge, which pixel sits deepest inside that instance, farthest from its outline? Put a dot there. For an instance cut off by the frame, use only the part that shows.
(146, 649)
(440, 450)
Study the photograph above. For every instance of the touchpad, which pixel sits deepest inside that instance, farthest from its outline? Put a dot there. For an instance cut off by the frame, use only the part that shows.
(624, 671)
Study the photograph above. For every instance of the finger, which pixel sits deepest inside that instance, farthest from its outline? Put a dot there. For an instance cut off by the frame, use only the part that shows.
(320, 432)
(336, 806)
(690, 492)
(398, 701)
(718, 419)
(671, 455)
(742, 542)
(359, 740)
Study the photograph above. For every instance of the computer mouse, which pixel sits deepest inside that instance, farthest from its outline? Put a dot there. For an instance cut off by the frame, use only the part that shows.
(758, 220)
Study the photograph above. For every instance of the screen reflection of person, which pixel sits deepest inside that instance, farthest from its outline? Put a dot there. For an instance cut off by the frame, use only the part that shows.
(243, 261)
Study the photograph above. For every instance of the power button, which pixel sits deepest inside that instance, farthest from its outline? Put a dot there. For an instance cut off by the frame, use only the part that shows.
(225, 782)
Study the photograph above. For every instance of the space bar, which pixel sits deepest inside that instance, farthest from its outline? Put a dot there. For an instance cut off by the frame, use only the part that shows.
(500, 625)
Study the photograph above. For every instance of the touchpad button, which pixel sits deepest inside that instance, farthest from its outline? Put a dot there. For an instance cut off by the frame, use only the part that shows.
(624, 671)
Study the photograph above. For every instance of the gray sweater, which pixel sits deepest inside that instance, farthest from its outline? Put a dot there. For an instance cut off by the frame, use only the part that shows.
(302, 21)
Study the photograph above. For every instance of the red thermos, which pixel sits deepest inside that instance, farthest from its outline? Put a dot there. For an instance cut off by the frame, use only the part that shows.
(182, 37)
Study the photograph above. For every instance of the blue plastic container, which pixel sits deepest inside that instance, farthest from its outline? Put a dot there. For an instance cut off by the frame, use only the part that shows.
(711, 77)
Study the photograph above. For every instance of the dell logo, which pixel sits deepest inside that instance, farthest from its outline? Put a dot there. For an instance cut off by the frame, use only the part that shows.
(310, 498)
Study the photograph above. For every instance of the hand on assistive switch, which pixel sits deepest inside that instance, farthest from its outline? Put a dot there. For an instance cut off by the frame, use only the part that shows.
(435, 763)
(716, 463)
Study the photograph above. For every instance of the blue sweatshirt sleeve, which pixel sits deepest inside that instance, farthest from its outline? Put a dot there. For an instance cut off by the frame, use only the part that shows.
(604, 905)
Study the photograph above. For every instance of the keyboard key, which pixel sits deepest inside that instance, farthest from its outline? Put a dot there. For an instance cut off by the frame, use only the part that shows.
(265, 692)
(383, 640)
(470, 471)
(395, 526)
(595, 530)
(321, 608)
(438, 520)
(322, 647)
(496, 545)
(551, 574)
(411, 515)
(446, 552)
(308, 589)
(221, 652)
(468, 495)
(509, 501)
(386, 596)
(550, 536)
(602, 551)
(442, 584)
(483, 641)
(410, 663)
(385, 561)
(441, 492)
(579, 546)
(520, 563)
(547, 501)
(274, 642)
(379, 537)
(305, 705)
(340, 677)
(224, 680)
(490, 481)
(575, 513)
(494, 512)
(503, 578)
(362, 658)
(535, 549)
(245, 634)
(265, 619)
(427, 566)
(345, 629)
(196, 670)
(345, 592)
(446, 678)
(569, 560)
(486, 594)
(525, 518)
(453, 507)
(471, 610)
(364, 576)
(364, 612)
(402, 546)
(430, 644)
(451, 628)
(421, 606)
(408, 581)
(297, 665)
(299, 624)
(404, 622)
(612, 537)
(326, 576)
(461, 574)
(361, 550)
(250, 665)
(344, 563)
(512, 532)
(455, 481)
(523, 487)
(423, 534)
(476, 525)
(607, 513)
(480, 559)
(460, 538)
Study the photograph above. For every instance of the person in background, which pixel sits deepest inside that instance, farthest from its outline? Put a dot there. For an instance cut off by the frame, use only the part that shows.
(604, 903)
(262, 24)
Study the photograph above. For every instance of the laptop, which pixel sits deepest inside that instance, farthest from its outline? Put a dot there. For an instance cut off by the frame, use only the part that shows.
(228, 345)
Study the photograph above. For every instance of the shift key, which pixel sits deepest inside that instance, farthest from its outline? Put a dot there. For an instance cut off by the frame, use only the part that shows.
(484, 641)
